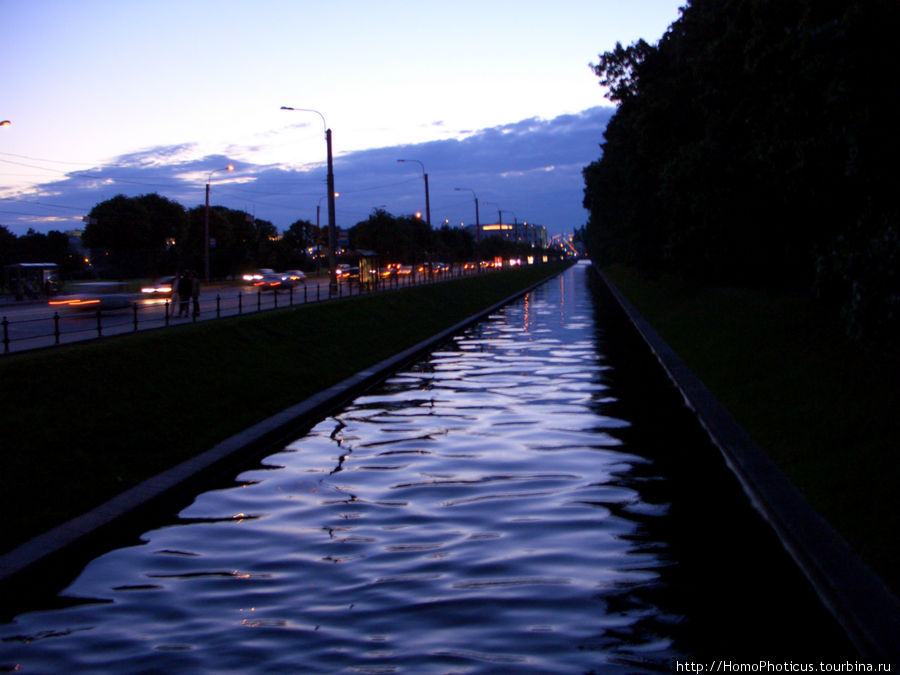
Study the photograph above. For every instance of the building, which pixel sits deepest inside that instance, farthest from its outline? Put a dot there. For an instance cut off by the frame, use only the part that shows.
(523, 233)
(568, 244)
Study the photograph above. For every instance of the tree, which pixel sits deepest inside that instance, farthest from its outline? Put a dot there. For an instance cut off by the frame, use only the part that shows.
(618, 69)
(135, 232)
(755, 145)
(295, 242)
(454, 244)
(40, 247)
(238, 241)
(7, 246)
(406, 239)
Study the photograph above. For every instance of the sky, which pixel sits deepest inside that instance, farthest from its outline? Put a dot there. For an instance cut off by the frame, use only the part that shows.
(106, 97)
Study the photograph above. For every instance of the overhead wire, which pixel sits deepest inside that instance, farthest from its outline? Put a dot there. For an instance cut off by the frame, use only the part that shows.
(256, 197)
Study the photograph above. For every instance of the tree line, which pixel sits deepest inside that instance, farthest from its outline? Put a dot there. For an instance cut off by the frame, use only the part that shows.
(38, 247)
(151, 235)
(755, 144)
(410, 240)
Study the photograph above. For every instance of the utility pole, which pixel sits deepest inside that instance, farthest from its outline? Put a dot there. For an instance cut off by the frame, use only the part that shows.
(477, 221)
(427, 198)
(332, 234)
(427, 203)
(230, 167)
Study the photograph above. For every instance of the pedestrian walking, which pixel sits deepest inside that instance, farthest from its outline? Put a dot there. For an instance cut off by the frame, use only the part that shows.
(185, 290)
(173, 301)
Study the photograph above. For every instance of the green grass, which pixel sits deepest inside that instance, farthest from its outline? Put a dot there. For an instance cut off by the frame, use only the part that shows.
(823, 408)
(83, 422)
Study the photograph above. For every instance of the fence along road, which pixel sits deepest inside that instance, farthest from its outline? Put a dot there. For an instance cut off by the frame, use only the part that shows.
(37, 325)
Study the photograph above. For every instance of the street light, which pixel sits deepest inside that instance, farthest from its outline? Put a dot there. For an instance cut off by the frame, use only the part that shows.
(5, 123)
(477, 222)
(427, 202)
(515, 225)
(319, 231)
(230, 167)
(499, 215)
(332, 235)
(319, 207)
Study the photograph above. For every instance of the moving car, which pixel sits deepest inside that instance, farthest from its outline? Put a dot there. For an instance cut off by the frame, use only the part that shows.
(161, 288)
(347, 273)
(433, 268)
(258, 275)
(295, 276)
(95, 296)
(269, 281)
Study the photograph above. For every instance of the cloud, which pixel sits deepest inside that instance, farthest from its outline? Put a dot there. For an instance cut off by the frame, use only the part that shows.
(531, 168)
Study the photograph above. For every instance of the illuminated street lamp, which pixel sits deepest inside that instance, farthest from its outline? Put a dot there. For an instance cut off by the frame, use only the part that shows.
(319, 207)
(230, 167)
(332, 235)
(427, 201)
(5, 123)
(477, 222)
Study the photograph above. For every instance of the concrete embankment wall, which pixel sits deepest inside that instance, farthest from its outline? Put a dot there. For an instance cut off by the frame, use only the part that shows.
(856, 596)
(88, 534)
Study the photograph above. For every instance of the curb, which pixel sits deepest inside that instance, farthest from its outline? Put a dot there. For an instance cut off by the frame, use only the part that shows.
(265, 435)
(857, 598)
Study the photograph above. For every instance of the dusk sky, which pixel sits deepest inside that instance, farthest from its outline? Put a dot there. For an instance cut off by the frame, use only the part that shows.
(107, 97)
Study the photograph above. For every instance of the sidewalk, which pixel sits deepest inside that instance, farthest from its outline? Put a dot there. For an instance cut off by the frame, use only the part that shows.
(7, 299)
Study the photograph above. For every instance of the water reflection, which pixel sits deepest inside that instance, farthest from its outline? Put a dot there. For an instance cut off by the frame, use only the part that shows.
(511, 504)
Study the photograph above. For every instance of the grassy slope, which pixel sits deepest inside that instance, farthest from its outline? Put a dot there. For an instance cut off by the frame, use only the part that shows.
(81, 423)
(824, 409)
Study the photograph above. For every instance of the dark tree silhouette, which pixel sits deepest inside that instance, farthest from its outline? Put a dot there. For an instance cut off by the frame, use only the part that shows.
(754, 144)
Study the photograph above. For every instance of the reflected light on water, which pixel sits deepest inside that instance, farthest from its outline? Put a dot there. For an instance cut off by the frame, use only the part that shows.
(492, 508)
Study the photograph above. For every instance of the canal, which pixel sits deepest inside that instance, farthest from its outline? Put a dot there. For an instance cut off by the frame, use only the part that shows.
(531, 497)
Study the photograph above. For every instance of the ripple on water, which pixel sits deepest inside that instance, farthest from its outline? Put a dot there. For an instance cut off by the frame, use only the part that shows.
(476, 514)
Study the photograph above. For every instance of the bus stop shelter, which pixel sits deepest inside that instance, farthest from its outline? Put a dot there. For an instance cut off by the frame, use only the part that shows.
(31, 280)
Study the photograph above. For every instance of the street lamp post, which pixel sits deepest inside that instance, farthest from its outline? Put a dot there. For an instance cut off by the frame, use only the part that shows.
(477, 222)
(427, 200)
(319, 208)
(332, 235)
(515, 225)
(230, 167)
(499, 215)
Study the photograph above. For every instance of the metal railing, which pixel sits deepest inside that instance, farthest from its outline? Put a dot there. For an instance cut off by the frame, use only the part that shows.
(75, 325)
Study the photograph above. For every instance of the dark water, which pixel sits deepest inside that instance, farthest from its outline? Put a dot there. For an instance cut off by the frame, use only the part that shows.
(530, 498)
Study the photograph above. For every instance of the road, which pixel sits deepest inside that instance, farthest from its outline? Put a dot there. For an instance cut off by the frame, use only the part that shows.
(36, 325)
